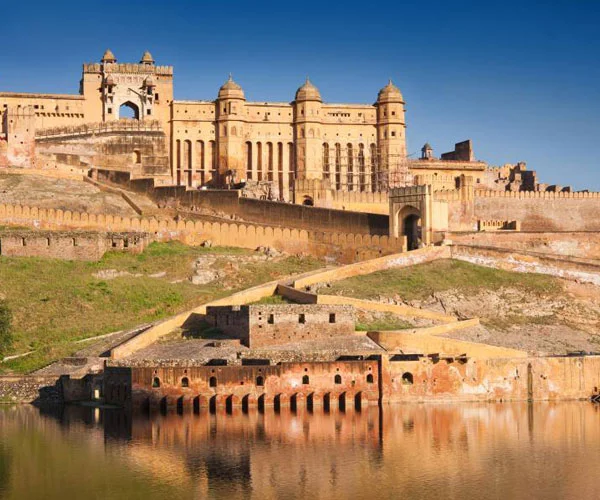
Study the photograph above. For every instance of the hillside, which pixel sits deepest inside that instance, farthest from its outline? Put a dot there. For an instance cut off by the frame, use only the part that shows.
(534, 312)
(56, 303)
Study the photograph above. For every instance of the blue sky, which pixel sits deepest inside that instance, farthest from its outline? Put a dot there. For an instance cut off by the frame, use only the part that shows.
(522, 79)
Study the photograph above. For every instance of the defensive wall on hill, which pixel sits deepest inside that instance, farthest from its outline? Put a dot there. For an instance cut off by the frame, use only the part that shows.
(572, 244)
(273, 213)
(342, 247)
(70, 245)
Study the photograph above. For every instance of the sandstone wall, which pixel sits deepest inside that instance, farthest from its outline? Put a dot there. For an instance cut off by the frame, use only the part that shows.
(339, 246)
(69, 245)
(581, 245)
(540, 211)
(275, 213)
(280, 385)
(476, 379)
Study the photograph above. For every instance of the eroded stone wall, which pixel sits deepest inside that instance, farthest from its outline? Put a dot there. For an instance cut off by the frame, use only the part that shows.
(69, 245)
(264, 325)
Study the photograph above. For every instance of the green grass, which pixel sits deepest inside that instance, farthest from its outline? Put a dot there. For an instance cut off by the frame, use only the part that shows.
(385, 322)
(56, 302)
(273, 299)
(420, 281)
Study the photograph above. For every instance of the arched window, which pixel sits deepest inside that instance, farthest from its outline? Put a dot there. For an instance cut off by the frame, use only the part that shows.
(185, 382)
(129, 110)
(259, 161)
(407, 378)
(370, 378)
(212, 382)
(248, 160)
(326, 160)
(269, 161)
(305, 380)
(137, 157)
(213, 158)
(338, 166)
(260, 381)
(156, 382)
(338, 379)
(291, 166)
(374, 163)
(361, 168)
(178, 160)
(200, 160)
(350, 153)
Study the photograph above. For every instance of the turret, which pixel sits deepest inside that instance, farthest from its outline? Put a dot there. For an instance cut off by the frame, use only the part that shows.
(230, 112)
(427, 152)
(307, 129)
(147, 59)
(391, 137)
(108, 57)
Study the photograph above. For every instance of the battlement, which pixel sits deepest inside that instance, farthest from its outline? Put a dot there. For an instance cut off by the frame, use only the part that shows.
(543, 195)
(29, 95)
(123, 125)
(144, 69)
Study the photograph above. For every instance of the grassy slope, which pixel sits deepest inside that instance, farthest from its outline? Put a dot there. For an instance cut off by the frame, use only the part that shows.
(419, 282)
(56, 302)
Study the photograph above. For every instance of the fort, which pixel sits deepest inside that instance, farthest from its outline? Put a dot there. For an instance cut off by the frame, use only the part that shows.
(305, 177)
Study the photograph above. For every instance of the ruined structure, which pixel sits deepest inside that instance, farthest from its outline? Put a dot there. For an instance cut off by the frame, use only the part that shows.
(263, 325)
(70, 245)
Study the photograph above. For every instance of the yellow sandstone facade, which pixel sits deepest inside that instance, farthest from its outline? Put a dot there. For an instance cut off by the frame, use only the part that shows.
(305, 142)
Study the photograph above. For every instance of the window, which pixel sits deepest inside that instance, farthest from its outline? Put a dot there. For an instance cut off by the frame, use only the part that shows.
(393, 133)
(370, 378)
(338, 379)
(305, 380)
(332, 317)
(393, 113)
(156, 97)
(156, 382)
(109, 111)
(212, 382)
(271, 319)
(260, 381)
(185, 382)
(301, 318)
(149, 112)
(407, 378)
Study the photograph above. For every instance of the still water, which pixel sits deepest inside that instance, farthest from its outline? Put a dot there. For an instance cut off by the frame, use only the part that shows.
(498, 451)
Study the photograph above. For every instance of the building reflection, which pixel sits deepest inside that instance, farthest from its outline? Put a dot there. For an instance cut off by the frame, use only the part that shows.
(406, 449)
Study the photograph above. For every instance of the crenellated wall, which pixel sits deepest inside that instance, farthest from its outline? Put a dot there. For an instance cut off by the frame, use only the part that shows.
(344, 247)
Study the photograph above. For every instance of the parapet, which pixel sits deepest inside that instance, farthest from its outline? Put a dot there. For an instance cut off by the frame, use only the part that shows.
(145, 69)
(122, 125)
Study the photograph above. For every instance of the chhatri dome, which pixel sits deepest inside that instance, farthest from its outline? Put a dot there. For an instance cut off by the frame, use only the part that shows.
(147, 58)
(108, 57)
(308, 92)
(231, 90)
(390, 93)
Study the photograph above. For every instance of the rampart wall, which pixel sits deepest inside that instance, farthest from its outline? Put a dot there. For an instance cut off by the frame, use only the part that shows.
(541, 211)
(339, 246)
(273, 212)
(69, 245)
(572, 244)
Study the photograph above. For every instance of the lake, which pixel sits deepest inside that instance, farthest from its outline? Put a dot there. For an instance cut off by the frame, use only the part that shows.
(466, 451)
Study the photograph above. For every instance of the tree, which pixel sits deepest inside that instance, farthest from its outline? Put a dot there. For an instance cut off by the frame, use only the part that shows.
(5, 328)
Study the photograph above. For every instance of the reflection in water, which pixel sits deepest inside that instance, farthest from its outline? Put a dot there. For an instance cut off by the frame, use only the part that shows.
(409, 451)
